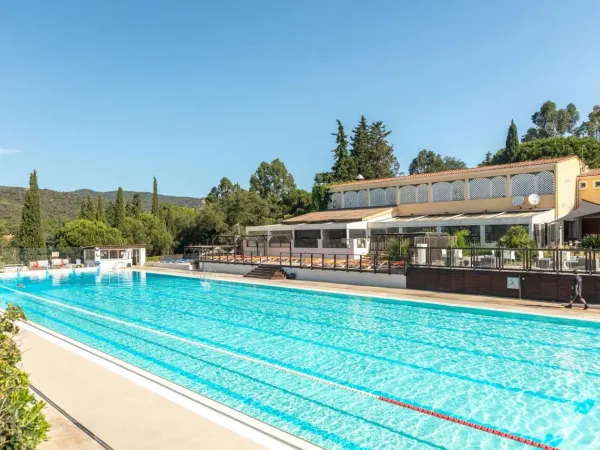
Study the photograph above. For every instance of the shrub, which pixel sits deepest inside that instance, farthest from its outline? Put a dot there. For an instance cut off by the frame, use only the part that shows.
(397, 249)
(461, 238)
(517, 237)
(591, 241)
(22, 422)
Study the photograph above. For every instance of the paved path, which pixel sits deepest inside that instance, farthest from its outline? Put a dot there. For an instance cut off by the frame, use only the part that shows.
(122, 413)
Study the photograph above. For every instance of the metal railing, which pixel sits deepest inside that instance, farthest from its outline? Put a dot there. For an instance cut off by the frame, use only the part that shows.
(306, 243)
(519, 259)
(313, 261)
(336, 243)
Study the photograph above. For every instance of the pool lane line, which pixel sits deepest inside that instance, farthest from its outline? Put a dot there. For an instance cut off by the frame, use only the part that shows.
(220, 367)
(71, 419)
(463, 350)
(580, 406)
(405, 405)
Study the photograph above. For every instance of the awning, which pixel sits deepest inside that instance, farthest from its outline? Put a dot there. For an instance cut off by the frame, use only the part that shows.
(586, 209)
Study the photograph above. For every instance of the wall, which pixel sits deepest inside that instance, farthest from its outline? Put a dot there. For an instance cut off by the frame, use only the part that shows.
(328, 276)
(534, 285)
(565, 188)
(589, 194)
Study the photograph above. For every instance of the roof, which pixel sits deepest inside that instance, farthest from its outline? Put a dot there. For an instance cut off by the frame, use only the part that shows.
(586, 209)
(116, 246)
(455, 219)
(339, 215)
(590, 173)
(483, 169)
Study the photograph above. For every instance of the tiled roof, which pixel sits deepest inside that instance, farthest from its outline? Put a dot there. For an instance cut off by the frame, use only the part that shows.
(339, 215)
(591, 173)
(538, 162)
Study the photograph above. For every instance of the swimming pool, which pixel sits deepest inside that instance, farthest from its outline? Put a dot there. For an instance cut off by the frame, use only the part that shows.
(340, 371)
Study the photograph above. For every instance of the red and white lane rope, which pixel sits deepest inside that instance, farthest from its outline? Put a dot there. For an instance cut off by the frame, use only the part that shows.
(297, 373)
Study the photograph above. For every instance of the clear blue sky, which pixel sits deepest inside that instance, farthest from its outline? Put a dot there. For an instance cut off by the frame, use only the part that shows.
(98, 94)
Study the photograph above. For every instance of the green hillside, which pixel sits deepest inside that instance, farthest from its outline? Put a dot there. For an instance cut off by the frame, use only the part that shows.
(65, 205)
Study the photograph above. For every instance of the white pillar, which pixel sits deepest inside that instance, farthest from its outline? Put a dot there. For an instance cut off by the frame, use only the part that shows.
(481, 235)
(342, 201)
(368, 197)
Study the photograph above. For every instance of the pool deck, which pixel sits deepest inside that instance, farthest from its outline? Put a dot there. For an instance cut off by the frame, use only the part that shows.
(555, 309)
(113, 406)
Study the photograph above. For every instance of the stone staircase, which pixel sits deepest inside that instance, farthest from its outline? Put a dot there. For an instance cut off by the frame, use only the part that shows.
(266, 273)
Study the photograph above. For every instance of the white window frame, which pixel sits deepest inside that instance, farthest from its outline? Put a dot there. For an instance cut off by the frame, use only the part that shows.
(582, 185)
(596, 184)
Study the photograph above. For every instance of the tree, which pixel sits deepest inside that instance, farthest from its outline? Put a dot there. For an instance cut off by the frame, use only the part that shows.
(22, 422)
(111, 213)
(135, 207)
(512, 143)
(100, 216)
(298, 202)
(487, 161)
(134, 231)
(272, 181)
(86, 233)
(87, 210)
(158, 239)
(343, 166)
(383, 163)
(452, 163)
(31, 234)
(222, 190)
(360, 149)
(320, 191)
(243, 208)
(120, 213)
(551, 122)
(209, 222)
(430, 162)
(517, 237)
(591, 127)
(426, 162)
(155, 203)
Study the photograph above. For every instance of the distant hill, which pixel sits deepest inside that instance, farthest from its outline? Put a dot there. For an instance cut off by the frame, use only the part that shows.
(65, 205)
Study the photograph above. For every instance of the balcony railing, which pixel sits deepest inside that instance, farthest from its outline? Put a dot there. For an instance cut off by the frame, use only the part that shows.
(306, 243)
(336, 243)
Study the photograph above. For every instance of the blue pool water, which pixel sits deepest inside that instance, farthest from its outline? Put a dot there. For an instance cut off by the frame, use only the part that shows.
(249, 346)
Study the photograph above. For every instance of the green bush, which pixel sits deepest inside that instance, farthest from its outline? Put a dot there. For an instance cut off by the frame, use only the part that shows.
(591, 241)
(397, 249)
(461, 238)
(23, 425)
(517, 237)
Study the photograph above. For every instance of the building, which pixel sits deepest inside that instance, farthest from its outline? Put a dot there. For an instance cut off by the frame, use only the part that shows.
(486, 200)
(585, 219)
(114, 256)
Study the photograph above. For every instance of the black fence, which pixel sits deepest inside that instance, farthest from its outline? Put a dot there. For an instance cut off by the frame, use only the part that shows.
(314, 261)
(548, 260)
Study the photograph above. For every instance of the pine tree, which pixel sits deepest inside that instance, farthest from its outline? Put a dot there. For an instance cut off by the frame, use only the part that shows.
(512, 144)
(31, 235)
(343, 167)
(87, 210)
(119, 221)
(155, 205)
(100, 216)
(383, 163)
(360, 148)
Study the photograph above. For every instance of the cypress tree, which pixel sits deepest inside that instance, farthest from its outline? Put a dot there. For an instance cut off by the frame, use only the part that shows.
(512, 144)
(136, 206)
(100, 216)
(155, 204)
(343, 167)
(31, 235)
(119, 209)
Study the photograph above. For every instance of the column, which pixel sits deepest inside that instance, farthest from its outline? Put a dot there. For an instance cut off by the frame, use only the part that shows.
(368, 197)
(466, 189)
(508, 188)
(482, 235)
(429, 192)
(342, 201)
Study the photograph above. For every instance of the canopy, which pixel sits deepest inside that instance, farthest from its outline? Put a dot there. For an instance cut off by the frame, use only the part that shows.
(586, 209)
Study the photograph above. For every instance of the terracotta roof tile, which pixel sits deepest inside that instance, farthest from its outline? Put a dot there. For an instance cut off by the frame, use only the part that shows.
(339, 215)
(591, 173)
(538, 162)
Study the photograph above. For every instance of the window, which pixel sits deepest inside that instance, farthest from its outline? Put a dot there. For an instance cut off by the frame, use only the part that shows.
(358, 234)
(597, 184)
(114, 254)
(280, 238)
(104, 254)
(583, 185)
(419, 229)
(493, 233)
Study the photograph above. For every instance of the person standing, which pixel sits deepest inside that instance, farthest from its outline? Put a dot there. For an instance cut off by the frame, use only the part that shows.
(577, 291)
